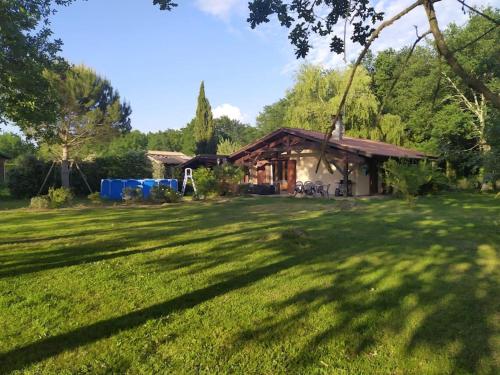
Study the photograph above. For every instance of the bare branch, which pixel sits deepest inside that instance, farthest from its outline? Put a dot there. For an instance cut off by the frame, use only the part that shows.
(496, 22)
(369, 42)
(399, 74)
(474, 40)
(471, 81)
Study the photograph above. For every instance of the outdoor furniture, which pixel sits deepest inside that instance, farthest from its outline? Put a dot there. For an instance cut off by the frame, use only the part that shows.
(299, 188)
(309, 188)
(323, 190)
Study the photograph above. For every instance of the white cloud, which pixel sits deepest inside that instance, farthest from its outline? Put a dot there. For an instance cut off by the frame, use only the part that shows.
(228, 110)
(220, 8)
(401, 33)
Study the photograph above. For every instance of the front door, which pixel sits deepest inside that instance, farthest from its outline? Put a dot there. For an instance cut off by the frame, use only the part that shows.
(261, 175)
(291, 176)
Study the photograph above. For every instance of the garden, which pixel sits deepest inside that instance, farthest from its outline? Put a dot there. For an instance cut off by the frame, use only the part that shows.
(253, 285)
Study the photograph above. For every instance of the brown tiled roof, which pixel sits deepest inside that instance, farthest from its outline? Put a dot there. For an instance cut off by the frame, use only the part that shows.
(207, 160)
(360, 146)
(168, 157)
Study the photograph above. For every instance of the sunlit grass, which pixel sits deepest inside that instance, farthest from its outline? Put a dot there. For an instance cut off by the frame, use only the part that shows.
(253, 286)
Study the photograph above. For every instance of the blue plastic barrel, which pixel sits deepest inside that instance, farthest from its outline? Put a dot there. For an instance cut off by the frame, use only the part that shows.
(174, 185)
(116, 187)
(131, 183)
(105, 188)
(146, 186)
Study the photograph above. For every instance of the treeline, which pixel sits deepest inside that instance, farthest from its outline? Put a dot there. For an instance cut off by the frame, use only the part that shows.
(226, 131)
(410, 100)
(405, 97)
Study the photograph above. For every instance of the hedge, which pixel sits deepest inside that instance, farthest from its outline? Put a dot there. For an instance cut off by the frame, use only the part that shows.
(26, 176)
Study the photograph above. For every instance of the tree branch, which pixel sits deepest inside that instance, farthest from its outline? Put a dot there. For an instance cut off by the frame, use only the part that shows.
(369, 42)
(399, 74)
(496, 22)
(443, 50)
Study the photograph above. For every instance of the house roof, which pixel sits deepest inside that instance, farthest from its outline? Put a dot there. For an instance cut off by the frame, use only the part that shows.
(365, 147)
(168, 157)
(207, 160)
(3, 156)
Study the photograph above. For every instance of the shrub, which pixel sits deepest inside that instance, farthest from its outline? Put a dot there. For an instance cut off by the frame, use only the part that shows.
(26, 176)
(206, 183)
(40, 202)
(410, 180)
(228, 176)
(60, 197)
(164, 194)
(130, 194)
(95, 198)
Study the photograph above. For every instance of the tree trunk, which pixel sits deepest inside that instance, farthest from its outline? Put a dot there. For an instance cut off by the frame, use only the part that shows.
(471, 81)
(65, 167)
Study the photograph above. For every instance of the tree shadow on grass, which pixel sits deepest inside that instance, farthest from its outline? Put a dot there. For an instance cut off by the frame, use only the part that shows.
(431, 293)
(436, 297)
(43, 349)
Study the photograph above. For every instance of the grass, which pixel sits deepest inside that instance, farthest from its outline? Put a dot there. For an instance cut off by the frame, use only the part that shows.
(253, 285)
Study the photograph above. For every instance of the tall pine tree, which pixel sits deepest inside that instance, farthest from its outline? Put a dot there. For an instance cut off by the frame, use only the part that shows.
(204, 129)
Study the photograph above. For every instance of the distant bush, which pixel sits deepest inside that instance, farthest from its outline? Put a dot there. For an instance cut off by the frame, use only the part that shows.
(205, 181)
(412, 179)
(130, 194)
(60, 197)
(164, 194)
(227, 177)
(95, 198)
(40, 202)
(26, 176)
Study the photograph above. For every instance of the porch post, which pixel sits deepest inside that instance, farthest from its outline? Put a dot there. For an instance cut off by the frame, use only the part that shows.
(346, 175)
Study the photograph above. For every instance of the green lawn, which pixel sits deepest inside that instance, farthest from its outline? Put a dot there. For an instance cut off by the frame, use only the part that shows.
(253, 285)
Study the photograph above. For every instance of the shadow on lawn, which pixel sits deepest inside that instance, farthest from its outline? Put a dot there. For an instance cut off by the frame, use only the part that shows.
(452, 291)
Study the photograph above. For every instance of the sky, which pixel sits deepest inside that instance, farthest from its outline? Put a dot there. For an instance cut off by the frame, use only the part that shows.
(157, 59)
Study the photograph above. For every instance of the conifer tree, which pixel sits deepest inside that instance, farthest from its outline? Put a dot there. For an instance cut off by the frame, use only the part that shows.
(204, 133)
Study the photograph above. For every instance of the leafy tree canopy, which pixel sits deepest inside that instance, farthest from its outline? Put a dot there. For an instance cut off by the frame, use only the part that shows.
(13, 145)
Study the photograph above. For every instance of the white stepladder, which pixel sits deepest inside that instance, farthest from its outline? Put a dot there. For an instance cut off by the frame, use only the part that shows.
(188, 175)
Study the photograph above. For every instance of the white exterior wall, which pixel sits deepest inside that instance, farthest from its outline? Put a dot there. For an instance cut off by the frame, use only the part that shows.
(306, 171)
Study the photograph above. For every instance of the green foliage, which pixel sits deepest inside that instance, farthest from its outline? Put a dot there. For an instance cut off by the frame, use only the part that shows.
(26, 176)
(133, 141)
(234, 131)
(164, 194)
(13, 145)
(316, 96)
(168, 140)
(227, 147)
(204, 129)
(27, 49)
(412, 179)
(95, 197)
(272, 117)
(131, 194)
(60, 197)
(227, 178)
(206, 182)
(40, 202)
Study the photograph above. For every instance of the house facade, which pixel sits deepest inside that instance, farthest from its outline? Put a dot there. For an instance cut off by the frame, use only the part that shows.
(165, 162)
(288, 155)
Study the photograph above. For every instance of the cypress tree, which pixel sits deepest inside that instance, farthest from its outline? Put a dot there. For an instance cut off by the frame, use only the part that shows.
(204, 133)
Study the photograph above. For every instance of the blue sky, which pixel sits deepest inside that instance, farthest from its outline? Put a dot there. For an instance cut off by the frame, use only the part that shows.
(157, 59)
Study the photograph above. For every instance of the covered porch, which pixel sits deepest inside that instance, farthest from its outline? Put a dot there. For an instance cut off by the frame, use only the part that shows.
(287, 160)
